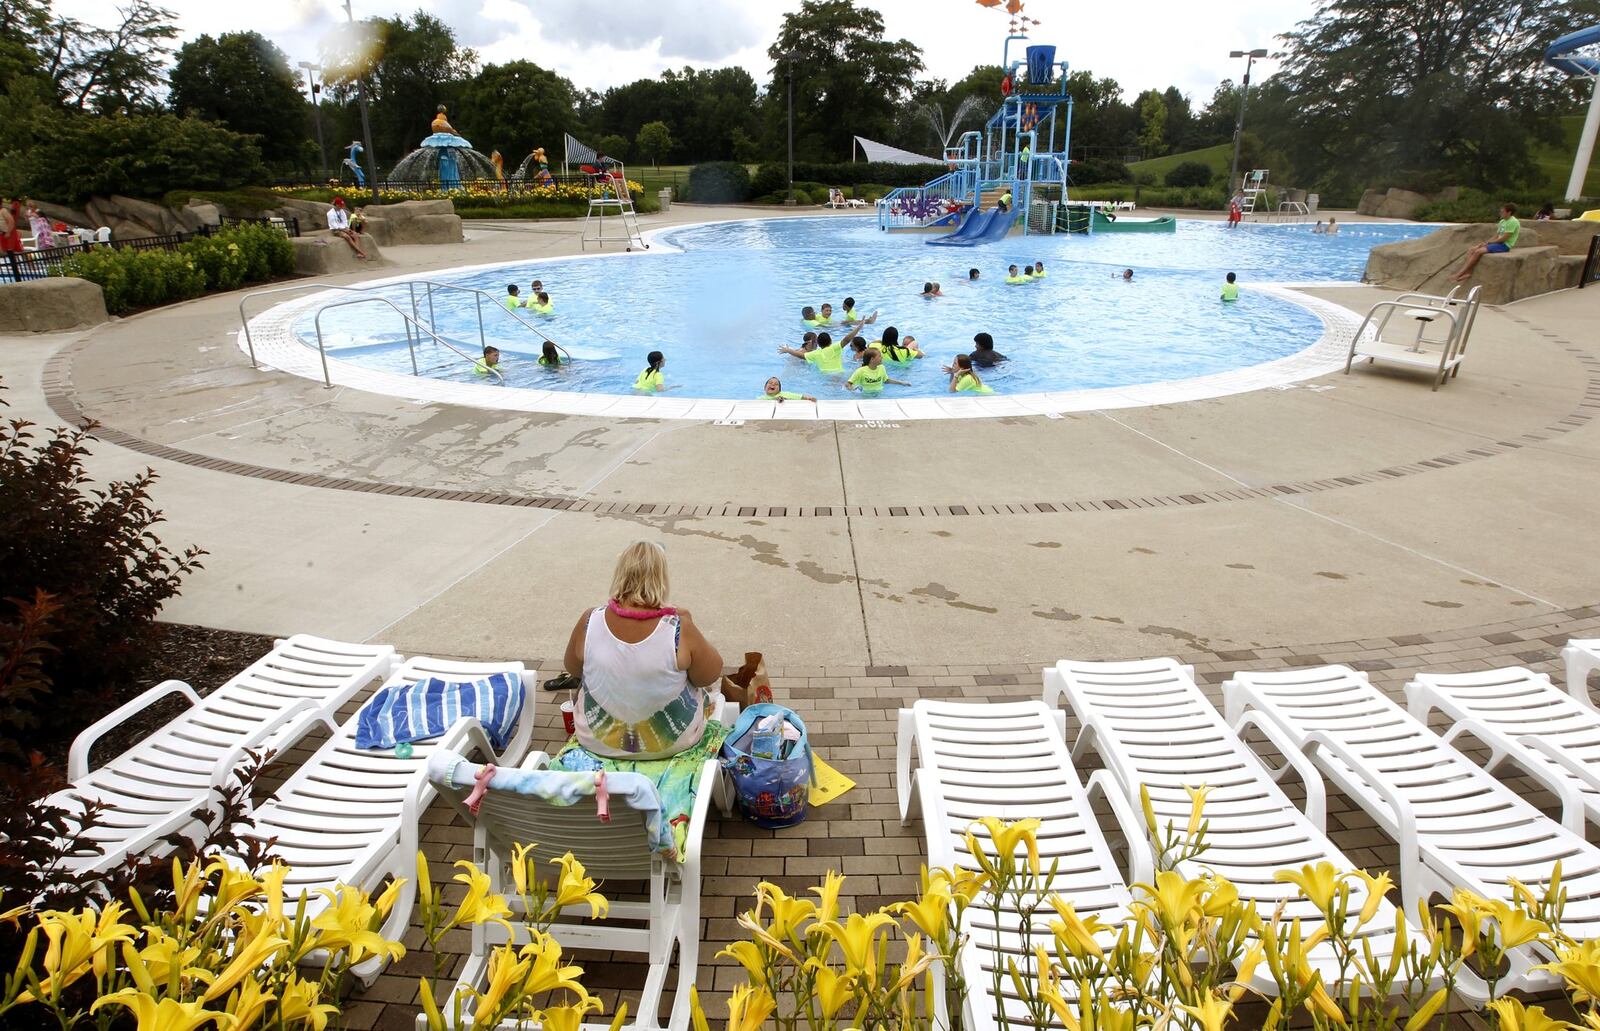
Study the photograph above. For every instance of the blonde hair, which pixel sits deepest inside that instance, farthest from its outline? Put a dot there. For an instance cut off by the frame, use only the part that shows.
(641, 576)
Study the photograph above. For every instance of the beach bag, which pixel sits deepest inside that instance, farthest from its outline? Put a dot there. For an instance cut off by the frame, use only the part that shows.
(770, 769)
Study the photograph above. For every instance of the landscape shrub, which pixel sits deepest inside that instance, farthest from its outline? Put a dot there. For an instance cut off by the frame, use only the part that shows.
(719, 182)
(1098, 170)
(1477, 206)
(86, 570)
(769, 177)
(137, 155)
(1190, 173)
(130, 279)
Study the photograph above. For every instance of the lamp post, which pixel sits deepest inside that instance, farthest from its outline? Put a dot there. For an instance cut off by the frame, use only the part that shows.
(366, 123)
(311, 70)
(1244, 96)
(788, 75)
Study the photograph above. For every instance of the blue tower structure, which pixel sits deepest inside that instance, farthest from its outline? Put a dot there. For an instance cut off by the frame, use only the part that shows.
(1022, 150)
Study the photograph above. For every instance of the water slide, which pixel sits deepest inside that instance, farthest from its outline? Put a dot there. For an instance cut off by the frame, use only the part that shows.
(980, 227)
(1578, 53)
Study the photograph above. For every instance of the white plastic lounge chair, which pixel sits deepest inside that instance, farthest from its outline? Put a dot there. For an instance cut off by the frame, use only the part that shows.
(350, 815)
(1525, 718)
(1582, 658)
(153, 789)
(1456, 825)
(1432, 333)
(957, 762)
(835, 198)
(616, 850)
(1152, 726)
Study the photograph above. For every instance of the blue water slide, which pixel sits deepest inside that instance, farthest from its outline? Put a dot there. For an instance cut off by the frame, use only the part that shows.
(975, 223)
(1563, 53)
(982, 227)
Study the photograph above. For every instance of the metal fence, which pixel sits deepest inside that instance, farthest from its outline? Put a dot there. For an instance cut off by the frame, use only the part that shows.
(1591, 264)
(25, 265)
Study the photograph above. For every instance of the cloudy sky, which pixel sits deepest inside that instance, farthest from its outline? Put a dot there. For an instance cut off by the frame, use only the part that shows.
(1146, 43)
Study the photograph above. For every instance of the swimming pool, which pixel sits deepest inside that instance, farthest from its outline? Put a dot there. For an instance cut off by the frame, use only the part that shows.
(718, 299)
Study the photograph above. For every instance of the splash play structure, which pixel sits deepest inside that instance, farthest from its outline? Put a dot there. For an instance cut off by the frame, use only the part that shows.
(444, 158)
(1578, 54)
(1014, 172)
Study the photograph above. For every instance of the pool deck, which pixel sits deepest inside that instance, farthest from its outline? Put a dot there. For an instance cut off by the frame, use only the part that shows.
(1359, 519)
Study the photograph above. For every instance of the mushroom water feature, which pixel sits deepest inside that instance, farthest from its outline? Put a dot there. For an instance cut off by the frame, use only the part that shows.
(444, 158)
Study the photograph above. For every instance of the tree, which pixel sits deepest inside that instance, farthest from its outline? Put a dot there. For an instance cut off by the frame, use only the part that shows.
(700, 108)
(20, 22)
(243, 81)
(612, 146)
(1453, 87)
(516, 107)
(654, 139)
(139, 155)
(111, 71)
(1152, 122)
(848, 79)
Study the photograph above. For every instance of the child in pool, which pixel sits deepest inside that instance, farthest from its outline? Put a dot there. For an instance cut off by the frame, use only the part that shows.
(963, 380)
(1038, 270)
(859, 349)
(871, 377)
(551, 357)
(1013, 278)
(896, 352)
(543, 305)
(972, 275)
(511, 300)
(490, 362)
(828, 356)
(1126, 275)
(651, 379)
(1230, 289)
(851, 316)
(825, 316)
(931, 290)
(774, 391)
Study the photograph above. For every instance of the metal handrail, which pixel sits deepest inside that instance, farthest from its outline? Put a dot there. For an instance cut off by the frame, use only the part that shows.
(493, 301)
(410, 345)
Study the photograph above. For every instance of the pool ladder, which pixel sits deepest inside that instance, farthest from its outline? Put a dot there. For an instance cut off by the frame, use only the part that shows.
(412, 321)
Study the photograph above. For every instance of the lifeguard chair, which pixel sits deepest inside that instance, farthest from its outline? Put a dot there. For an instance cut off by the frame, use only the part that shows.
(613, 202)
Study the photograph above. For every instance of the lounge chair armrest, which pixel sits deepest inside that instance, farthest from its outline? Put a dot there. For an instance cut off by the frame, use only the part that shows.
(1316, 791)
(78, 755)
(1572, 809)
(1405, 817)
(1141, 858)
(466, 735)
(537, 759)
(295, 722)
(709, 772)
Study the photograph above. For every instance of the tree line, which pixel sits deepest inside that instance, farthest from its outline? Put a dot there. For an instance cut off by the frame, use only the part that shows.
(1432, 92)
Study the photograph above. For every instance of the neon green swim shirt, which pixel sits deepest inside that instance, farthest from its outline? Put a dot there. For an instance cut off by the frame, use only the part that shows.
(1230, 291)
(968, 385)
(1512, 228)
(650, 379)
(827, 359)
(782, 395)
(868, 378)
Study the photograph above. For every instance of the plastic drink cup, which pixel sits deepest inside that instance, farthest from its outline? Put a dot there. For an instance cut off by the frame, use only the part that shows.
(567, 718)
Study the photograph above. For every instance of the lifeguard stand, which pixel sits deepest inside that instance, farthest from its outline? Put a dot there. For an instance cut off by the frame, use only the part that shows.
(614, 202)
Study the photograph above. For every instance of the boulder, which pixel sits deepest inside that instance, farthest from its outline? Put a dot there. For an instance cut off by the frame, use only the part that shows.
(198, 213)
(414, 222)
(1400, 204)
(1541, 261)
(312, 214)
(1370, 199)
(48, 305)
(321, 254)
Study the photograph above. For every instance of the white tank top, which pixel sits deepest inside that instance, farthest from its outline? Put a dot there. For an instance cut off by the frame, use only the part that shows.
(635, 703)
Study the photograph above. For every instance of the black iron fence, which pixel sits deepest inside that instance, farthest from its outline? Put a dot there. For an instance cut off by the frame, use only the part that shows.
(25, 265)
(1591, 264)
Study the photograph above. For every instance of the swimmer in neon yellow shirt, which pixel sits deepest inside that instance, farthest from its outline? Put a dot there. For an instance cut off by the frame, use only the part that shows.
(828, 356)
(550, 356)
(511, 300)
(1038, 270)
(851, 314)
(963, 380)
(1230, 289)
(774, 391)
(543, 305)
(1013, 277)
(651, 380)
(809, 316)
(871, 377)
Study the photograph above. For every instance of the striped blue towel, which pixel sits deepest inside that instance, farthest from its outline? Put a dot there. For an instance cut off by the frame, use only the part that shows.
(426, 709)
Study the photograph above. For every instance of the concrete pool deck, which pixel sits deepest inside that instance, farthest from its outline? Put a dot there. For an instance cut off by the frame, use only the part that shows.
(1359, 519)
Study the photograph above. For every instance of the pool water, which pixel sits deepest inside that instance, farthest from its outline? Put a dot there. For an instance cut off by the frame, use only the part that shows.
(719, 299)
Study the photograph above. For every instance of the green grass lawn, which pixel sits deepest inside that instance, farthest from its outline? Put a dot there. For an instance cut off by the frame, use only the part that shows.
(1556, 162)
(1216, 158)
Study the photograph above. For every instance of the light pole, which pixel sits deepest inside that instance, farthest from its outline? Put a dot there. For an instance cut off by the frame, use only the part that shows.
(311, 70)
(366, 123)
(788, 76)
(1244, 96)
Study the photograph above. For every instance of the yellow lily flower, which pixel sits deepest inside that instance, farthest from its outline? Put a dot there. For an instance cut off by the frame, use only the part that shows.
(506, 971)
(1220, 897)
(346, 924)
(385, 902)
(857, 938)
(1197, 806)
(1212, 1013)
(1075, 933)
(1512, 1015)
(480, 905)
(424, 880)
(1049, 989)
(788, 913)
(1317, 883)
(828, 896)
(74, 941)
(1172, 900)
(1007, 836)
(964, 885)
(1425, 1013)
(166, 1015)
(234, 886)
(1247, 969)
(749, 1008)
(1515, 926)
(248, 955)
(748, 955)
(520, 864)
(832, 989)
(430, 1008)
(547, 974)
(918, 961)
(1377, 890)
(576, 886)
(272, 890)
(247, 1005)
(570, 1017)
(1580, 968)
(1469, 910)
(300, 1005)
(931, 912)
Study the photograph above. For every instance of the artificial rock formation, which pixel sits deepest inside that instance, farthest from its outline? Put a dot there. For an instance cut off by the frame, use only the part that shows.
(1548, 256)
(47, 305)
(320, 253)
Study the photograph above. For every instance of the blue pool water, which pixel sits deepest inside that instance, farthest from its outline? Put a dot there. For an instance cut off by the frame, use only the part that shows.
(721, 307)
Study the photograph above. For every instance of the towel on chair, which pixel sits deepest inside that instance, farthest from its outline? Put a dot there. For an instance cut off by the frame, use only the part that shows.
(428, 708)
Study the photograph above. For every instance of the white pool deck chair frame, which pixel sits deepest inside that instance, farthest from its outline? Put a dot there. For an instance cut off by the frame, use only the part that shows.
(957, 762)
(1414, 347)
(1526, 719)
(1152, 726)
(618, 850)
(350, 815)
(154, 787)
(1456, 826)
(1582, 658)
